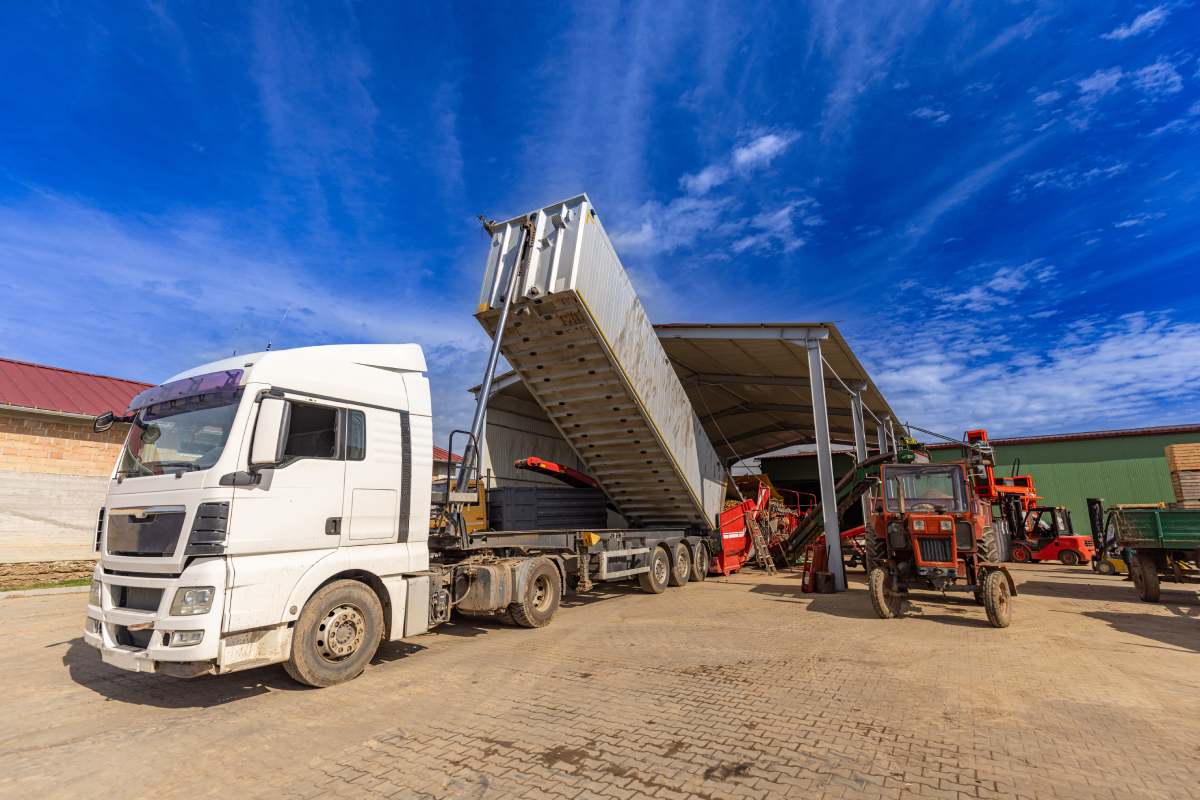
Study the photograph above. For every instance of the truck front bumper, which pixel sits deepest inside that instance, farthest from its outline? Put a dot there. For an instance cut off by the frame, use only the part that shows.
(133, 628)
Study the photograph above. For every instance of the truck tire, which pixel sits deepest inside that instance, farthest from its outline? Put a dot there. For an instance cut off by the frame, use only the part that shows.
(996, 600)
(1145, 577)
(655, 581)
(888, 604)
(681, 566)
(1069, 558)
(336, 635)
(700, 562)
(541, 596)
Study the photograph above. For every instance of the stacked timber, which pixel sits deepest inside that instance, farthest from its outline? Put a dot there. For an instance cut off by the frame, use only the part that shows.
(1184, 462)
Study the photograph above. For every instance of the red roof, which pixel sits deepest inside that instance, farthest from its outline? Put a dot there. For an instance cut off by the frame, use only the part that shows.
(441, 455)
(64, 391)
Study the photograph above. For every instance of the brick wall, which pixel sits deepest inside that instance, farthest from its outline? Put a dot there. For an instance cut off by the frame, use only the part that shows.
(56, 445)
(53, 474)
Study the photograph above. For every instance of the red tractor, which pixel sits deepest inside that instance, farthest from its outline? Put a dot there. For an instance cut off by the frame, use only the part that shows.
(928, 529)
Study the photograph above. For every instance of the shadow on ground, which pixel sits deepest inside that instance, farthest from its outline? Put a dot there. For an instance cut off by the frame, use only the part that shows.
(1181, 630)
(1113, 590)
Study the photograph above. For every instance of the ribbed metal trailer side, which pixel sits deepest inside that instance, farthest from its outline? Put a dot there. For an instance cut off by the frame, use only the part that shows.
(580, 340)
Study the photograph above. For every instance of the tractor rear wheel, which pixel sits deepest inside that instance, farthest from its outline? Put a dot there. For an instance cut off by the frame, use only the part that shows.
(989, 546)
(1069, 558)
(875, 550)
(996, 600)
(1145, 577)
(888, 604)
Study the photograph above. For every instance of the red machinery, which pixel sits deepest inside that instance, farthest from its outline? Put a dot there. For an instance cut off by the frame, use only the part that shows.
(571, 477)
(1038, 533)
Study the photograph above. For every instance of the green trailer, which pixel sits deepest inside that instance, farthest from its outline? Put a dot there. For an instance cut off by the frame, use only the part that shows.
(1165, 542)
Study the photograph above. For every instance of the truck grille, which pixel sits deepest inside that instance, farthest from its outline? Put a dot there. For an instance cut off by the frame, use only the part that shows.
(144, 532)
(936, 549)
(137, 598)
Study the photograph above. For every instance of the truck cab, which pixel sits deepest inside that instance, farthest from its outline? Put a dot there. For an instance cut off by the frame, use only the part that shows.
(248, 484)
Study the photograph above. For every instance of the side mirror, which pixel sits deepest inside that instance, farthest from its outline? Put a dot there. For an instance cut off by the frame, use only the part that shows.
(103, 422)
(270, 432)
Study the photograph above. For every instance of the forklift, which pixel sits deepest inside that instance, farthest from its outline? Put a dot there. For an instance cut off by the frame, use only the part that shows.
(1046, 533)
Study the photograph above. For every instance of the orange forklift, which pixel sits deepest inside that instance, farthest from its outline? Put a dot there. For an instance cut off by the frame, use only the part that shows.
(1037, 532)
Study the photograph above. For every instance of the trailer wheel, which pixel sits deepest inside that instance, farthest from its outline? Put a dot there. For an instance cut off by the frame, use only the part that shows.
(996, 600)
(540, 599)
(681, 569)
(700, 562)
(1145, 577)
(655, 581)
(337, 634)
(1069, 558)
(888, 604)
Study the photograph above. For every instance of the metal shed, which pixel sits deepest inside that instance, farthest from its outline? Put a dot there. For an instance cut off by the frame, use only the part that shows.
(757, 387)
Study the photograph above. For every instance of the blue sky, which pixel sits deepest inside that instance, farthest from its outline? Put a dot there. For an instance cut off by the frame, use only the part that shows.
(998, 202)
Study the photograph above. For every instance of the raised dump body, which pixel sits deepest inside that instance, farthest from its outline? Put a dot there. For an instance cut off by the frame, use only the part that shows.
(580, 339)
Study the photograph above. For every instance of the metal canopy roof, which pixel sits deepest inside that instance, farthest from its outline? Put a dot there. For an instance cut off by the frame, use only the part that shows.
(749, 383)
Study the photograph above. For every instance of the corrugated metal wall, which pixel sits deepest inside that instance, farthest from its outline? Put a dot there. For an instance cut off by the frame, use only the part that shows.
(1121, 469)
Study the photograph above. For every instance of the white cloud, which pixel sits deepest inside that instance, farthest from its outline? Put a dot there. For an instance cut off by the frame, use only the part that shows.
(1158, 80)
(1046, 98)
(1002, 289)
(755, 154)
(1101, 82)
(1136, 220)
(935, 115)
(762, 150)
(1142, 23)
(773, 228)
(1065, 178)
(671, 226)
(1190, 121)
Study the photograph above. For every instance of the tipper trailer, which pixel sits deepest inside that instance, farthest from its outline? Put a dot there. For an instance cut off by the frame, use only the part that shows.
(276, 507)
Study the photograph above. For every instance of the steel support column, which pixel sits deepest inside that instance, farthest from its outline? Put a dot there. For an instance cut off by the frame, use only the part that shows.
(860, 445)
(833, 537)
(881, 436)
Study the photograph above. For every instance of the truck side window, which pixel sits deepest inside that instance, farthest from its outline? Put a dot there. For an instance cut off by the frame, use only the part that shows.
(356, 436)
(312, 433)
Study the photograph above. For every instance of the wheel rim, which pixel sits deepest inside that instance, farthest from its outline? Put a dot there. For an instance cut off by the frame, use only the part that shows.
(660, 569)
(542, 593)
(1020, 554)
(702, 561)
(1001, 599)
(1069, 558)
(683, 565)
(341, 633)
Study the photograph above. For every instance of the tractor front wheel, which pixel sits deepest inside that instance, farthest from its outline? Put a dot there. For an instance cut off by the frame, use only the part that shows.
(888, 603)
(996, 599)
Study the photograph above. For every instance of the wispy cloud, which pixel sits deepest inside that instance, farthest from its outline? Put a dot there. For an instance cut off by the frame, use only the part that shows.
(1019, 31)
(937, 116)
(1145, 22)
(1189, 121)
(1001, 289)
(1048, 98)
(1101, 82)
(1067, 178)
(757, 153)
(1158, 80)
(1137, 220)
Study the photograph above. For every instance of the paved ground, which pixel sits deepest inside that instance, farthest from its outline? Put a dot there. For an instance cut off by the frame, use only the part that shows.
(734, 689)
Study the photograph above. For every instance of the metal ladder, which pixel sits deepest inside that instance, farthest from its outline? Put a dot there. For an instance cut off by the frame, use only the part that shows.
(761, 554)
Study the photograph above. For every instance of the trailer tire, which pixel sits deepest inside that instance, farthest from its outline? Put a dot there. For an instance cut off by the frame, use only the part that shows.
(336, 635)
(996, 600)
(887, 603)
(540, 598)
(655, 581)
(700, 562)
(1145, 577)
(681, 565)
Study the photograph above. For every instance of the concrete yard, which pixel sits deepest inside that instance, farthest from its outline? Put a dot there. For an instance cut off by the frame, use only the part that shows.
(730, 688)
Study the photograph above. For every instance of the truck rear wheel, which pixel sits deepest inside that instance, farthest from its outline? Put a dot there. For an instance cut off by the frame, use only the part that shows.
(888, 604)
(700, 562)
(681, 569)
(655, 581)
(996, 600)
(540, 599)
(1145, 577)
(337, 634)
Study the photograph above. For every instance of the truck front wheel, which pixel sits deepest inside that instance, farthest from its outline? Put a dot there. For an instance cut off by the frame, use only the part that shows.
(541, 596)
(337, 634)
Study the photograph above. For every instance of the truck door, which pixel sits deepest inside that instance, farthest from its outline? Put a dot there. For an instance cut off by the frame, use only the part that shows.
(375, 475)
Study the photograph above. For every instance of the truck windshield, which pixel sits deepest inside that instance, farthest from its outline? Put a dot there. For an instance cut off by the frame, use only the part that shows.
(184, 434)
(925, 488)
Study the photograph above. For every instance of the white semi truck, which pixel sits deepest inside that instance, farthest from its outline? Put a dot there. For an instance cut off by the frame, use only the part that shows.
(279, 507)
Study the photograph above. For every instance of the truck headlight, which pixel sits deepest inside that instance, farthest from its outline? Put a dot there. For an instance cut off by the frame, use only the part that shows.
(91, 626)
(186, 638)
(94, 594)
(190, 600)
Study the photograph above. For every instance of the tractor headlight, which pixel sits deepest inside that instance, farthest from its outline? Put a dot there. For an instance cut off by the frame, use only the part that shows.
(946, 525)
(918, 524)
(192, 600)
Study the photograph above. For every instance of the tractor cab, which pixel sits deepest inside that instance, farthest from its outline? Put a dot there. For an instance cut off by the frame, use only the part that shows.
(1047, 534)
